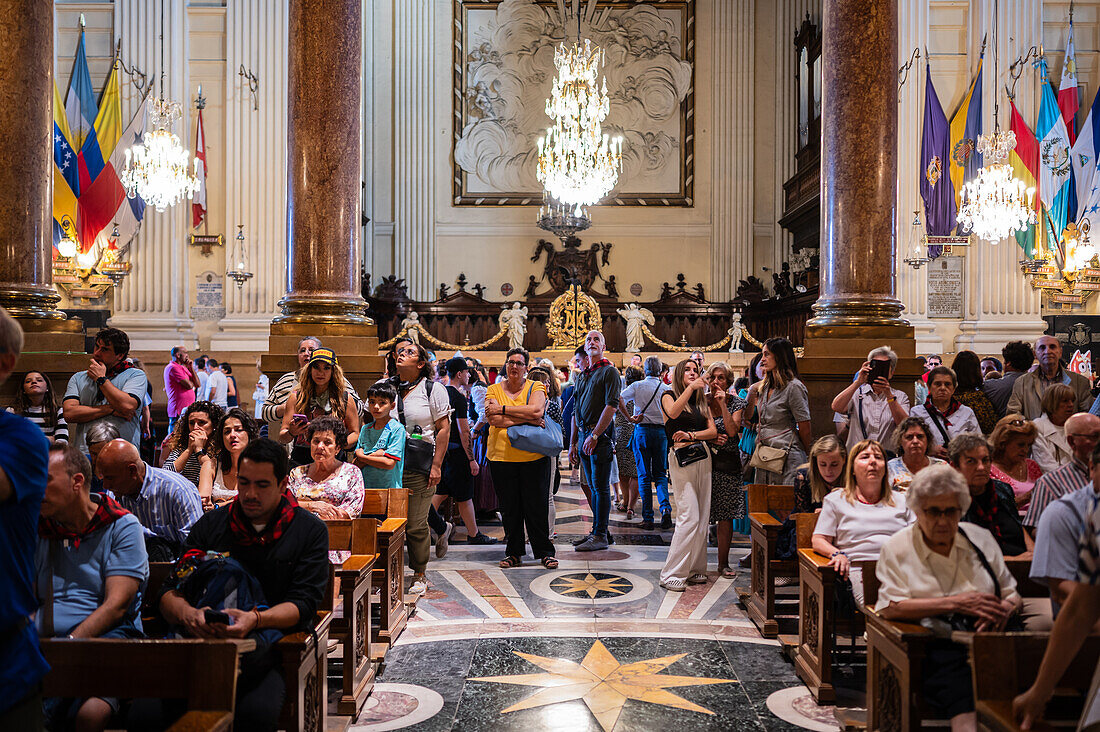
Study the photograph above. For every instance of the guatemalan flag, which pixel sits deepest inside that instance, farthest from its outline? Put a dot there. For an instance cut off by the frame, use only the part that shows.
(1055, 167)
(935, 178)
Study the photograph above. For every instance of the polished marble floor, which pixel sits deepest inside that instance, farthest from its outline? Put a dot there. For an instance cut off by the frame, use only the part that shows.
(593, 645)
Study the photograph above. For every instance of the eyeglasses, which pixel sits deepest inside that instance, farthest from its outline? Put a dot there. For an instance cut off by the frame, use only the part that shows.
(938, 513)
(517, 364)
(1018, 422)
(408, 352)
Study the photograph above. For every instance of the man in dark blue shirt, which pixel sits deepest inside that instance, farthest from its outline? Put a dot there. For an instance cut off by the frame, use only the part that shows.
(23, 461)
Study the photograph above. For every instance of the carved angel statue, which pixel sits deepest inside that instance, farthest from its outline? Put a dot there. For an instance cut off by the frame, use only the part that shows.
(635, 317)
(515, 319)
(735, 332)
(412, 322)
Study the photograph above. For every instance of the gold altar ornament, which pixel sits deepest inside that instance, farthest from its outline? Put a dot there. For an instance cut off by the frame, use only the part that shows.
(572, 314)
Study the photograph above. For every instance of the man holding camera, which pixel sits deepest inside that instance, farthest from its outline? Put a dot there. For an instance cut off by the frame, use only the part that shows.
(873, 408)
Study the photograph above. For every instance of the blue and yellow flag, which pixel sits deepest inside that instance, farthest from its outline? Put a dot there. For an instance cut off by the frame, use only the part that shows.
(103, 136)
(966, 125)
(80, 106)
(66, 186)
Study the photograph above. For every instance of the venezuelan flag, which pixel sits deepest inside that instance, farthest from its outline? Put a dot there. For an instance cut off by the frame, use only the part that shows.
(1024, 160)
(66, 186)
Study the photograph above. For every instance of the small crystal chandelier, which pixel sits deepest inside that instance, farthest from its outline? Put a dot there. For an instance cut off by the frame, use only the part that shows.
(994, 204)
(578, 164)
(156, 168)
(239, 273)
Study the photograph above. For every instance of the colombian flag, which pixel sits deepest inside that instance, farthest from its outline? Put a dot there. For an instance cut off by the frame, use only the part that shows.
(66, 183)
(96, 210)
(1024, 160)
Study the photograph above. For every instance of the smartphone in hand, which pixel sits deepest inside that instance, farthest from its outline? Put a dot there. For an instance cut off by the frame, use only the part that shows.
(879, 368)
(217, 616)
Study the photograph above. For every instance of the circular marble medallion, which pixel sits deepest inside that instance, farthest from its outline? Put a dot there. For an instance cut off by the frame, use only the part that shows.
(396, 706)
(585, 587)
(796, 706)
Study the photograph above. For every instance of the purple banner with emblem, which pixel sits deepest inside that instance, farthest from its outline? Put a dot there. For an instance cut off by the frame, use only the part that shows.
(935, 180)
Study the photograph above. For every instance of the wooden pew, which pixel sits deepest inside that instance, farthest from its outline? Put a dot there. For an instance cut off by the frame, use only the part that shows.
(391, 509)
(1010, 663)
(352, 628)
(201, 672)
(896, 651)
(763, 502)
(817, 624)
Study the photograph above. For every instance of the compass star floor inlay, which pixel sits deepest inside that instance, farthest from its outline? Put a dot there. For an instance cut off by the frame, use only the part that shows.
(594, 646)
(603, 683)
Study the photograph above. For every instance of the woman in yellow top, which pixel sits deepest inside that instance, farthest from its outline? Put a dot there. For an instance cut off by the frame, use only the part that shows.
(520, 477)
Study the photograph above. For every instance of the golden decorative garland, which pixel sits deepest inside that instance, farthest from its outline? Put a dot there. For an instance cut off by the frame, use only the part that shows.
(683, 349)
(442, 344)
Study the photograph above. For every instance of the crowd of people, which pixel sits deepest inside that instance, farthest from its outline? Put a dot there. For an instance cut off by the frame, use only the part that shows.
(994, 459)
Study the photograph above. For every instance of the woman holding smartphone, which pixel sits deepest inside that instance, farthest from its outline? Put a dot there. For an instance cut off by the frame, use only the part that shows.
(322, 391)
(873, 407)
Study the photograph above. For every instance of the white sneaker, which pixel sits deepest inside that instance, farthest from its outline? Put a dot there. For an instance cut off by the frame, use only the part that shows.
(419, 585)
(674, 585)
(442, 544)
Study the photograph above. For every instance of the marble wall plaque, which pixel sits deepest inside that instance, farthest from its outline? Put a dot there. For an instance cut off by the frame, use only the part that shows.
(209, 297)
(945, 287)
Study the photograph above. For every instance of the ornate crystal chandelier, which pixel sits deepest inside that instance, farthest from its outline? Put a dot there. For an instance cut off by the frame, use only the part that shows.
(995, 204)
(578, 164)
(156, 168)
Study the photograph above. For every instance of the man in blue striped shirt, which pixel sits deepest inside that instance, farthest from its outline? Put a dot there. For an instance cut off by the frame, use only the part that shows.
(166, 503)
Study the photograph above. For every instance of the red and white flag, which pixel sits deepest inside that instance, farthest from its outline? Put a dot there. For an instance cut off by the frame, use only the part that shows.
(198, 201)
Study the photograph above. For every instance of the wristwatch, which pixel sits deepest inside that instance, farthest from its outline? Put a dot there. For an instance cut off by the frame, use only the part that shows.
(100, 380)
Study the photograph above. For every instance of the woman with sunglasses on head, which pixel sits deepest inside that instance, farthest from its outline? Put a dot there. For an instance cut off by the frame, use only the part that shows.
(521, 477)
(727, 505)
(688, 426)
(37, 403)
(424, 408)
(781, 406)
(1012, 440)
(322, 391)
(218, 479)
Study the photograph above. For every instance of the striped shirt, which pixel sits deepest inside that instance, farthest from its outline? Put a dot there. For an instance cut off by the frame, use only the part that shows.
(278, 395)
(167, 504)
(1088, 559)
(1052, 486)
(59, 432)
(191, 468)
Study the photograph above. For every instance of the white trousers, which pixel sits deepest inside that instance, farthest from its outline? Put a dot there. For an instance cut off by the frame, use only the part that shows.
(687, 555)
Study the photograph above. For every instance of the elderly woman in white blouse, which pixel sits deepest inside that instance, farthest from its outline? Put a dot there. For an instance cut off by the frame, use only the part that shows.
(935, 568)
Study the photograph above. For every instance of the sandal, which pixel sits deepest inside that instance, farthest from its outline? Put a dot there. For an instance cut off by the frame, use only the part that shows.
(728, 572)
(509, 562)
(630, 514)
(550, 562)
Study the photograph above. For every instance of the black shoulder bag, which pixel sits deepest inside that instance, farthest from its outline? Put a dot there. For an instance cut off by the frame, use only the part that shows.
(968, 623)
(419, 453)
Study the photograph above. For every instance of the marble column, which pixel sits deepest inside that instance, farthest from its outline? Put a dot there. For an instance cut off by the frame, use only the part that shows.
(323, 164)
(26, 157)
(323, 205)
(857, 309)
(859, 163)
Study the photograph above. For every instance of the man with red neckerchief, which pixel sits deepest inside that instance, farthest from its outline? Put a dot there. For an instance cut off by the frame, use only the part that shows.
(592, 440)
(285, 548)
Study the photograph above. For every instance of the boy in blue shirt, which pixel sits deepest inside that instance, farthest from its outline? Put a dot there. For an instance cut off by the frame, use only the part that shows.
(381, 444)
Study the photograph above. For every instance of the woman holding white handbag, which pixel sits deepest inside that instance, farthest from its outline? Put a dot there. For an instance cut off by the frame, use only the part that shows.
(782, 408)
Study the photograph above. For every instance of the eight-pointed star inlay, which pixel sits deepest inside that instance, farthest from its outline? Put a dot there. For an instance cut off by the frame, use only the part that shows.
(603, 683)
(589, 585)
